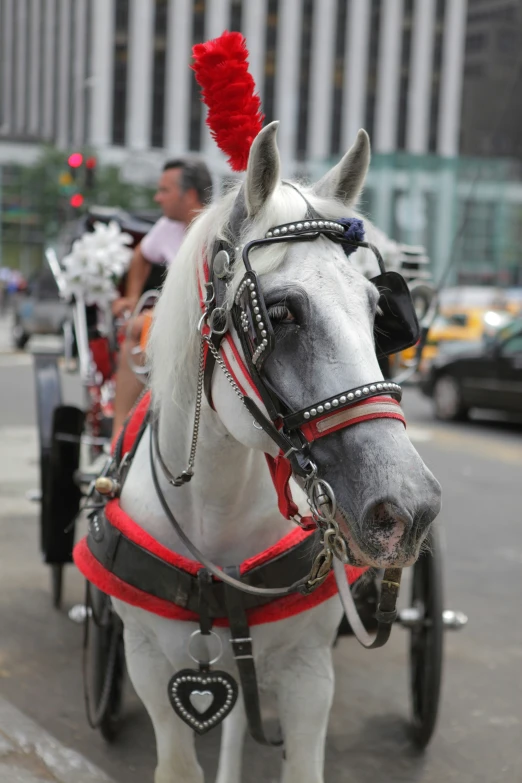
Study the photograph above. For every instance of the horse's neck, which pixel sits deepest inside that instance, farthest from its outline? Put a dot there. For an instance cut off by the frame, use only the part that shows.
(228, 510)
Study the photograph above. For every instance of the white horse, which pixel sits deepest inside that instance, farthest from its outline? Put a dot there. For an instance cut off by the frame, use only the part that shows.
(386, 496)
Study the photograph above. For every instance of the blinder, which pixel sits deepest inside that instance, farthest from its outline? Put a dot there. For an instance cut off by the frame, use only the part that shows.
(396, 326)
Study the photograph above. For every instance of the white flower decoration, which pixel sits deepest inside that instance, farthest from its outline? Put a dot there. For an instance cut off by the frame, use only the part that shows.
(97, 260)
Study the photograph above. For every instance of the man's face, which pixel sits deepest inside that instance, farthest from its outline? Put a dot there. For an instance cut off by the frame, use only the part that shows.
(170, 195)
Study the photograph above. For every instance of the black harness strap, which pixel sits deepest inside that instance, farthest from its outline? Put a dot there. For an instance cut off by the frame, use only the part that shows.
(241, 642)
(142, 569)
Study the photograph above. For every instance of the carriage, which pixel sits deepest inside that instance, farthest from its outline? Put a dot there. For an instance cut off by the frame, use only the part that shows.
(72, 438)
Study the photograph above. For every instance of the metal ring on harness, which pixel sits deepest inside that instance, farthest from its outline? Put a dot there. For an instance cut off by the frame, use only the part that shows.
(322, 496)
(196, 633)
(213, 321)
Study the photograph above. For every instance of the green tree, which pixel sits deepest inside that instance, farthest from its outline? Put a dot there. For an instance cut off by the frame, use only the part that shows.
(41, 190)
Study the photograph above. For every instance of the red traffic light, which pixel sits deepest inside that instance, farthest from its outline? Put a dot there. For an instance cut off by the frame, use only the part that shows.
(90, 163)
(76, 200)
(75, 160)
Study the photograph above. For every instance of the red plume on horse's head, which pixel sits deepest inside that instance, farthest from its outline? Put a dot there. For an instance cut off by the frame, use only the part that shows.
(228, 89)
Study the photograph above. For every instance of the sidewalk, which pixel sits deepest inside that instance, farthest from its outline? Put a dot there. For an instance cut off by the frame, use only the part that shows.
(28, 754)
(6, 345)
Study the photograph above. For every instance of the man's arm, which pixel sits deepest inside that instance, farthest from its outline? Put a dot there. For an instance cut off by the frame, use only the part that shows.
(139, 270)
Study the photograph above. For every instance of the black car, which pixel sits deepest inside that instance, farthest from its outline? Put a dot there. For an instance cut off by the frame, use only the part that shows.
(487, 374)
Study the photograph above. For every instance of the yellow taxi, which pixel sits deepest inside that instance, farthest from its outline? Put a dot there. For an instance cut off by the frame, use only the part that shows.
(465, 315)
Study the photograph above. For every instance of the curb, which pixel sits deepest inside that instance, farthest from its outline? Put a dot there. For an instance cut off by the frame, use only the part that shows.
(30, 755)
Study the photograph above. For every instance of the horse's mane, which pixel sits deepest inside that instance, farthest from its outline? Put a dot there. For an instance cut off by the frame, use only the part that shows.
(174, 343)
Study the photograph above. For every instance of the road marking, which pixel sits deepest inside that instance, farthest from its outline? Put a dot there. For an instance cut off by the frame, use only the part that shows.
(479, 446)
(486, 447)
(419, 434)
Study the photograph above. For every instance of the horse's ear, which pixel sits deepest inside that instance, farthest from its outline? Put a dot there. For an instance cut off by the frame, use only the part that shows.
(345, 180)
(264, 169)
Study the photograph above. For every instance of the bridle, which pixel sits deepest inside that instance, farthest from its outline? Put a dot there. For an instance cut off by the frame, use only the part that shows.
(292, 431)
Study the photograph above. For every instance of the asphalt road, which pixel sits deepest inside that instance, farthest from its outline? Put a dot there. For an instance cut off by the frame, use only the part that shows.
(479, 734)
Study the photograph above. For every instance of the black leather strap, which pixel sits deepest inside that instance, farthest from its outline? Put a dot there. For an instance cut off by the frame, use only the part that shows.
(386, 613)
(142, 569)
(241, 642)
(205, 601)
(339, 402)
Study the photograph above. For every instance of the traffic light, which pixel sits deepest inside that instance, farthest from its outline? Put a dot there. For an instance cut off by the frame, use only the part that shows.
(90, 172)
(75, 160)
(79, 180)
(76, 200)
(66, 181)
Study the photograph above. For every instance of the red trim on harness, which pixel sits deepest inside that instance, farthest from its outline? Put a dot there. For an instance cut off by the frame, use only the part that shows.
(276, 610)
(132, 425)
(239, 359)
(374, 408)
(281, 473)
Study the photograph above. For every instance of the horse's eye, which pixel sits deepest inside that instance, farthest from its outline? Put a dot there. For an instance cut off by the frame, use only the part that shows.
(280, 314)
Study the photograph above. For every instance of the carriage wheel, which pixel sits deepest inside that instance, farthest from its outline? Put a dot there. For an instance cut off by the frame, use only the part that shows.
(56, 584)
(426, 643)
(59, 429)
(104, 665)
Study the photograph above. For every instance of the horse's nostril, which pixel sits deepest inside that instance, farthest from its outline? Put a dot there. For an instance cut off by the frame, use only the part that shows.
(387, 515)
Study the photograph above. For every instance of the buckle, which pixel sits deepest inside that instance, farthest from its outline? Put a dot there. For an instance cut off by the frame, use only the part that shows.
(210, 293)
(242, 648)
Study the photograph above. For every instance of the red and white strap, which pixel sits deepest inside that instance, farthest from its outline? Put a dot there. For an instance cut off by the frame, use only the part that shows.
(375, 408)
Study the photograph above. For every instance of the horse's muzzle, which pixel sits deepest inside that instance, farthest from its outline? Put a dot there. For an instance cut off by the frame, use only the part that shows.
(387, 535)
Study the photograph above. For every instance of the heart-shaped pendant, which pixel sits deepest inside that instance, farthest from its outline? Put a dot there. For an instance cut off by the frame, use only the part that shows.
(202, 698)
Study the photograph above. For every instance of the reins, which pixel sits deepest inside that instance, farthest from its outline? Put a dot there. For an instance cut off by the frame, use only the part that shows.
(300, 586)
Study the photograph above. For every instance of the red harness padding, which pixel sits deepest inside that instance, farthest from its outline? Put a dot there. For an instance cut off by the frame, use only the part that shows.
(279, 609)
(98, 575)
(132, 425)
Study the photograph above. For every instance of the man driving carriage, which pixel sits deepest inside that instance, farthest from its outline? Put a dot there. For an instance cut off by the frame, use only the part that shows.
(184, 189)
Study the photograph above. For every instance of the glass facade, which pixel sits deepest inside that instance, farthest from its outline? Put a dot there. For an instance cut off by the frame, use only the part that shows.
(404, 73)
(196, 107)
(270, 60)
(437, 65)
(373, 56)
(159, 73)
(304, 79)
(121, 58)
(236, 15)
(338, 80)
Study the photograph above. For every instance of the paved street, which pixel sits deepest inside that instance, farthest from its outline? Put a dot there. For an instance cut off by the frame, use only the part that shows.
(478, 738)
